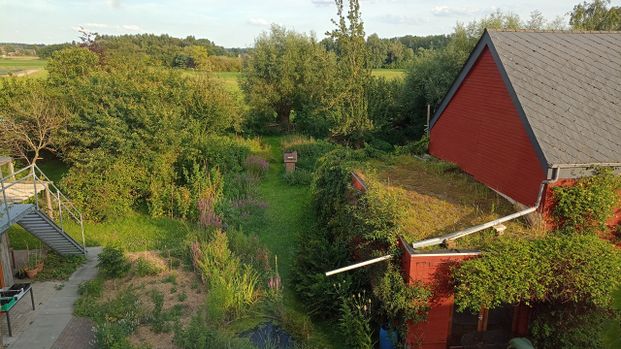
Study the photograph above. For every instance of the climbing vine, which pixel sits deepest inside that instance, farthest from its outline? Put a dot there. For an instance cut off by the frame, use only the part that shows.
(586, 206)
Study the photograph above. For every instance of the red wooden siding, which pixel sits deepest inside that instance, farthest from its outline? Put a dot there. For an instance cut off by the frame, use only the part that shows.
(481, 131)
(433, 270)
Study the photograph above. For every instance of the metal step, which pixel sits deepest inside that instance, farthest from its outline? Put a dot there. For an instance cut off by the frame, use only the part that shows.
(41, 226)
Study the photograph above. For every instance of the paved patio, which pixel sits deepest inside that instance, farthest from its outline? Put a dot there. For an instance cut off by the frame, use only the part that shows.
(52, 324)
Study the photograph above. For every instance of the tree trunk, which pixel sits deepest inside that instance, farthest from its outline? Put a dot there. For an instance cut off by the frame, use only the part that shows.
(284, 114)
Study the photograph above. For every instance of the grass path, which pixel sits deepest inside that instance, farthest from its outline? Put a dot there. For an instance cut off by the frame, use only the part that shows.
(288, 215)
(288, 212)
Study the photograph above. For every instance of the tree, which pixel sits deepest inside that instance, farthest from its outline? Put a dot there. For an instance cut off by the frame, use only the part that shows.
(351, 112)
(30, 119)
(283, 73)
(377, 51)
(596, 16)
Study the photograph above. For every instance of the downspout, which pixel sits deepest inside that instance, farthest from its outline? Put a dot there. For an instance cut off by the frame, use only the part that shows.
(477, 228)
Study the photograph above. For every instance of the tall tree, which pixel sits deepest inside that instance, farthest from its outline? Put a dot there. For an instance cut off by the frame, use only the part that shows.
(351, 107)
(596, 16)
(30, 119)
(283, 72)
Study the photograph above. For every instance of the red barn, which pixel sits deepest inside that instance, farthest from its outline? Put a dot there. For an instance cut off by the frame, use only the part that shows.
(531, 106)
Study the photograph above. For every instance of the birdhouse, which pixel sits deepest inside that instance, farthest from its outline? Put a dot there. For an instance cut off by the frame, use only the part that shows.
(290, 159)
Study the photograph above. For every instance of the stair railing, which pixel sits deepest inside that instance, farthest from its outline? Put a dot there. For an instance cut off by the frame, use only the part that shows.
(13, 181)
(44, 193)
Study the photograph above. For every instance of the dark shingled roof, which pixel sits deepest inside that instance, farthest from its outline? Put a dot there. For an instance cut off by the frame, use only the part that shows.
(569, 86)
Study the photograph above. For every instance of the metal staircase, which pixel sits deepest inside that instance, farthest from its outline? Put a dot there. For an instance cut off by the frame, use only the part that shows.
(28, 198)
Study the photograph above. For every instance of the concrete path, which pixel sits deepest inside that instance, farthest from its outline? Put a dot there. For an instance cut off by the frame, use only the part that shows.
(51, 317)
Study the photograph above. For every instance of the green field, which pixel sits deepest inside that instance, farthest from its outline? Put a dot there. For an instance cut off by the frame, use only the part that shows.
(22, 65)
(389, 74)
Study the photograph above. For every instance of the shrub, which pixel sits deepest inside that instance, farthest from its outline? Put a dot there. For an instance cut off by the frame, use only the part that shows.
(399, 302)
(309, 150)
(570, 289)
(568, 327)
(587, 205)
(419, 147)
(146, 267)
(117, 319)
(161, 320)
(58, 267)
(558, 269)
(113, 263)
(355, 321)
(233, 286)
(298, 177)
(256, 166)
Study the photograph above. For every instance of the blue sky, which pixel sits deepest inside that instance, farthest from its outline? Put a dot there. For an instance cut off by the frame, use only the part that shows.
(235, 23)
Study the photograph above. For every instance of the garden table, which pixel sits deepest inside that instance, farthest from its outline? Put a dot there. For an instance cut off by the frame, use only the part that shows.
(9, 297)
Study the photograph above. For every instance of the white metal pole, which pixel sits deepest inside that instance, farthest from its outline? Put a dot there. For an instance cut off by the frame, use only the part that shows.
(359, 265)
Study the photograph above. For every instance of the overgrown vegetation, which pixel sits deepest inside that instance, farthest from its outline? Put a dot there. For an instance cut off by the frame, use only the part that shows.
(570, 290)
(587, 205)
(354, 225)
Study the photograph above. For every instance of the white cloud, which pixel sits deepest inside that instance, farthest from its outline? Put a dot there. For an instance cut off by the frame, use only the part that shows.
(132, 27)
(114, 3)
(96, 25)
(401, 19)
(261, 22)
(110, 28)
(450, 11)
(322, 2)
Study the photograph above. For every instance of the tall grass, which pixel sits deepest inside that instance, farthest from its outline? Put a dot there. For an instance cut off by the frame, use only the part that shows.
(233, 285)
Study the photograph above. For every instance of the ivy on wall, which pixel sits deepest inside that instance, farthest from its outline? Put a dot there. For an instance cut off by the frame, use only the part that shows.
(586, 206)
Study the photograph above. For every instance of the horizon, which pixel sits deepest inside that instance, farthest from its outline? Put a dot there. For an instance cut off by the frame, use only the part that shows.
(237, 26)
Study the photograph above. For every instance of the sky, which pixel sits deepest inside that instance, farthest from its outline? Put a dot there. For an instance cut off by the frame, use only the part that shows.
(236, 23)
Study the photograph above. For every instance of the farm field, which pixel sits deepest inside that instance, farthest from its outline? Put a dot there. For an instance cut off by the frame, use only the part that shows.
(22, 66)
(389, 74)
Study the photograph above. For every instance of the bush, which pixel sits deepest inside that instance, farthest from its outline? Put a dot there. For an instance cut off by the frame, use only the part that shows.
(569, 327)
(145, 267)
(586, 206)
(309, 150)
(400, 302)
(58, 267)
(298, 177)
(419, 147)
(232, 285)
(117, 319)
(355, 321)
(161, 320)
(113, 263)
(558, 269)
(256, 166)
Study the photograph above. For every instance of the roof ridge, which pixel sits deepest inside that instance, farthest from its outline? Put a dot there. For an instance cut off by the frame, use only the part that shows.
(563, 31)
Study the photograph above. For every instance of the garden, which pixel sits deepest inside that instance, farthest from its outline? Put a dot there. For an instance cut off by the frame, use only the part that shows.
(173, 151)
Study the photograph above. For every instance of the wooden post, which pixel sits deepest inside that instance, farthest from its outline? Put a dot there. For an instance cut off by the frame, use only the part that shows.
(48, 201)
(11, 170)
(428, 118)
(483, 316)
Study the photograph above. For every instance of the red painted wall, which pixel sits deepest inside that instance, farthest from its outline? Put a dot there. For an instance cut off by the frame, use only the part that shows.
(433, 270)
(481, 131)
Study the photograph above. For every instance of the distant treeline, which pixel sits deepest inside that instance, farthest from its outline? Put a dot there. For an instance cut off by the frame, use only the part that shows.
(397, 52)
